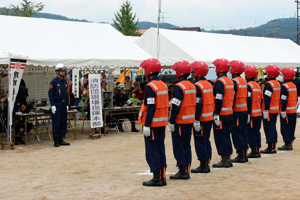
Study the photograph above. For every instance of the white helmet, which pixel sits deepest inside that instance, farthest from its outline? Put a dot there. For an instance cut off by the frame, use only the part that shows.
(121, 86)
(60, 67)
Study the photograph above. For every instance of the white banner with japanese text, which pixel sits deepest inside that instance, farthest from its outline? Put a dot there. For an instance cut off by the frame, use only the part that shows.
(17, 67)
(95, 101)
(75, 82)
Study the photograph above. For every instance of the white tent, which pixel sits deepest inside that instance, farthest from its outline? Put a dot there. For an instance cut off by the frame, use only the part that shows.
(198, 46)
(48, 42)
(4, 58)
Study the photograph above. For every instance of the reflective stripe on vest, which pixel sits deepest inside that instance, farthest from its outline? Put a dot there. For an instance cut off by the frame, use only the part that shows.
(160, 118)
(255, 99)
(240, 104)
(228, 96)
(187, 110)
(291, 104)
(207, 102)
(274, 108)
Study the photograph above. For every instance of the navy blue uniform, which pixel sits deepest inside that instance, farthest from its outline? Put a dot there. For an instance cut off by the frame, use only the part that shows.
(155, 143)
(288, 124)
(253, 132)
(181, 137)
(270, 126)
(239, 129)
(202, 143)
(222, 136)
(58, 95)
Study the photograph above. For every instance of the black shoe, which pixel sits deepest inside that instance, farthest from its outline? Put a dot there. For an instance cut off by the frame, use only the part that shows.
(269, 151)
(254, 155)
(240, 158)
(286, 147)
(56, 141)
(134, 130)
(225, 163)
(181, 175)
(62, 142)
(156, 181)
(201, 169)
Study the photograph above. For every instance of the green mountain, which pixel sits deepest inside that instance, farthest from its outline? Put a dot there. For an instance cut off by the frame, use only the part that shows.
(284, 27)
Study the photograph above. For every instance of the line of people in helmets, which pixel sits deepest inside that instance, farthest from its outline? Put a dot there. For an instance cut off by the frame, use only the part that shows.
(235, 108)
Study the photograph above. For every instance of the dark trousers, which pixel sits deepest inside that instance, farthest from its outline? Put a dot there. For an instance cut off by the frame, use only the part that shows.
(254, 136)
(270, 128)
(181, 139)
(59, 119)
(202, 143)
(155, 149)
(222, 135)
(288, 127)
(239, 130)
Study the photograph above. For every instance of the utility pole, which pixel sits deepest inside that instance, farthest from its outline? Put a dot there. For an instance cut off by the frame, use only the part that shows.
(158, 20)
(298, 25)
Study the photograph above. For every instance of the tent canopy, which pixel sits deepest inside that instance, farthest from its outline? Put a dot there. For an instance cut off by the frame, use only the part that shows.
(48, 42)
(198, 46)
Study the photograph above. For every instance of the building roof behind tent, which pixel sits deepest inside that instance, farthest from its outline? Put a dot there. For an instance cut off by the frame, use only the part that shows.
(47, 42)
(199, 46)
(197, 29)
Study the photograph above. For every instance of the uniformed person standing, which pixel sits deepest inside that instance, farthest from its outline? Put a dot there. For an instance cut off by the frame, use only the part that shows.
(205, 106)
(154, 117)
(58, 95)
(240, 112)
(182, 119)
(254, 101)
(224, 96)
(271, 98)
(288, 117)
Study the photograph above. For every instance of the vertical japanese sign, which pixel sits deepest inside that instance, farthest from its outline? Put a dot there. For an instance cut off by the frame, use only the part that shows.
(75, 82)
(17, 67)
(95, 101)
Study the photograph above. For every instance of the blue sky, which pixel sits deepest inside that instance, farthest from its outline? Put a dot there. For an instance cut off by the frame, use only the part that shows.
(216, 14)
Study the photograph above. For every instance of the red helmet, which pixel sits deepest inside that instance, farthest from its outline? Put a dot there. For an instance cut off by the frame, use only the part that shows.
(200, 68)
(272, 70)
(250, 72)
(237, 67)
(151, 66)
(222, 65)
(288, 73)
(181, 68)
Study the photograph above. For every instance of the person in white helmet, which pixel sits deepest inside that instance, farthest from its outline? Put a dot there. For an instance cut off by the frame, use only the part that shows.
(58, 95)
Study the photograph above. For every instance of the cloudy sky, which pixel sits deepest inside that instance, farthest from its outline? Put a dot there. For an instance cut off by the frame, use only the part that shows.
(216, 14)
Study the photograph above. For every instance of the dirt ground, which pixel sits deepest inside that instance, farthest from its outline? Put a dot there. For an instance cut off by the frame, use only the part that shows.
(114, 167)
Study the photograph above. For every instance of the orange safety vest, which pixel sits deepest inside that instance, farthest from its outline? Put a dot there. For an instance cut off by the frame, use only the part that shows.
(208, 101)
(275, 98)
(228, 96)
(291, 106)
(240, 103)
(187, 110)
(256, 99)
(160, 117)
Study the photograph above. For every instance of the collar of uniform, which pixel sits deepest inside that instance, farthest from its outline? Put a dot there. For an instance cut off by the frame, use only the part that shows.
(202, 79)
(272, 79)
(250, 79)
(154, 79)
(222, 75)
(236, 76)
(184, 79)
(59, 79)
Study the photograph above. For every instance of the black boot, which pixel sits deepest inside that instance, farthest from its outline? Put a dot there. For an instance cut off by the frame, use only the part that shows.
(163, 176)
(287, 147)
(182, 174)
(133, 129)
(56, 141)
(271, 149)
(254, 153)
(245, 154)
(203, 168)
(225, 162)
(62, 142)
(156, 181)
(240, 158)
